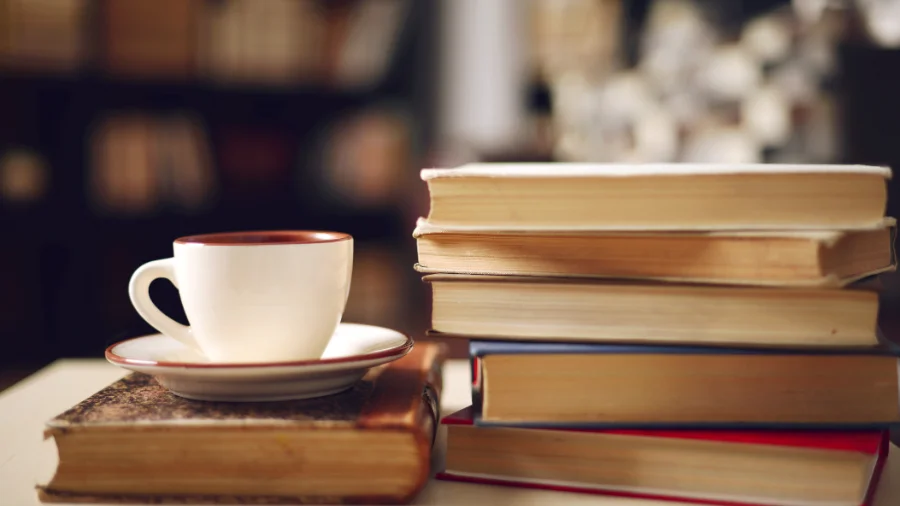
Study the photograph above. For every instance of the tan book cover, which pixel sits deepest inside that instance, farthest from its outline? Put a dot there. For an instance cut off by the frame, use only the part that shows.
(518, 308)
(685, 387)
(827, 258)
(150, 38)
(646, 197)
(44, 35)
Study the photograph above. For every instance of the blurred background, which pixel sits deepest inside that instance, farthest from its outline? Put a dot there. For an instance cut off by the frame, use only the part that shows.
(125, 124)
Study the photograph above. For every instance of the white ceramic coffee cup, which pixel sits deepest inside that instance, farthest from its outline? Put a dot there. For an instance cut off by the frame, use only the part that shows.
(253, 296)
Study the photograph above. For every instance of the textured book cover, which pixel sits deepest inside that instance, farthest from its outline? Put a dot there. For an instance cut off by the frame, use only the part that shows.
(395, 402)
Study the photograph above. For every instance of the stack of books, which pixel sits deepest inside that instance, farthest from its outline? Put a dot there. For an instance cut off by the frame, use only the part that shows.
(687, 332)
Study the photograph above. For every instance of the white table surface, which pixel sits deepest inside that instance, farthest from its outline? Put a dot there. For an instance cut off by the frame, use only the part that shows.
(27, 460)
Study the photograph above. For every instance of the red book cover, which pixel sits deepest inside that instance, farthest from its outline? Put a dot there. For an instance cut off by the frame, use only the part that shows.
(871, 442)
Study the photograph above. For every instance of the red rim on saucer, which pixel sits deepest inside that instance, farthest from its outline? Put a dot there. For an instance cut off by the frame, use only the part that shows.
(389, 352)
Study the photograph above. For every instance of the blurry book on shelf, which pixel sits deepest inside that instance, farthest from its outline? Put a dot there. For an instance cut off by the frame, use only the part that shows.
(284, 42)
(363, 38)
(24, 177)
(787, 468)
(276, 42)
(122, 177)
(150, 38)
(364, 158)
(141, 164)
(186, 167)
(44, 35)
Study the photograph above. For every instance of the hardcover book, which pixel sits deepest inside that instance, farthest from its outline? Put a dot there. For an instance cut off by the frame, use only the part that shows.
(134, 441)
(520, 308)
(587, 196)
(830, 258)
(777, 468)
(622, 386)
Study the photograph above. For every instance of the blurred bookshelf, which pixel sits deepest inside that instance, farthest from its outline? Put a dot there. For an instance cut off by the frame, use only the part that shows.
(128, 124)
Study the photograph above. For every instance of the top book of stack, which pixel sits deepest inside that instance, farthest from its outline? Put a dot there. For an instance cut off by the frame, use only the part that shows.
(658, 197)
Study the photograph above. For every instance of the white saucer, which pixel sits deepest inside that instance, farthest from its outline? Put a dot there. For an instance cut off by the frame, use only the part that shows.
(352, 351)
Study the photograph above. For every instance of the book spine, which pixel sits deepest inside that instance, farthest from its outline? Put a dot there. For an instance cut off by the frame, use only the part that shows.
(411, 385)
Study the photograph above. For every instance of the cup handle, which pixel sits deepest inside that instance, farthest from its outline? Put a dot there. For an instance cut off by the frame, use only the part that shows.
(139, 292)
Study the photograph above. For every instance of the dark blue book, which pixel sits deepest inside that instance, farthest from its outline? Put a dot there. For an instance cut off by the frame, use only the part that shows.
(607, 386)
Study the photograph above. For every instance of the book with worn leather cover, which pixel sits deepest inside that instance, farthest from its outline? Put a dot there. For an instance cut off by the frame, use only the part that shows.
(134, 441)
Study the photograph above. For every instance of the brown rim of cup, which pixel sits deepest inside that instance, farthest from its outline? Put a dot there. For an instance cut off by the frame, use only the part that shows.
(263, 237)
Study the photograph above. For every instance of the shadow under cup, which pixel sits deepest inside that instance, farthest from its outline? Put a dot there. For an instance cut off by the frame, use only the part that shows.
(260, 296)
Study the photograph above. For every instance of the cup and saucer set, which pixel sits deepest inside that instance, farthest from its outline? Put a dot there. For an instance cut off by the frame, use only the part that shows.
(264, 309)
